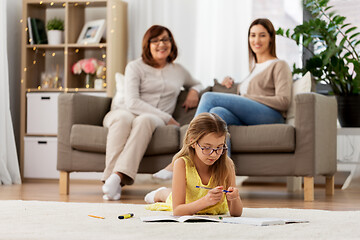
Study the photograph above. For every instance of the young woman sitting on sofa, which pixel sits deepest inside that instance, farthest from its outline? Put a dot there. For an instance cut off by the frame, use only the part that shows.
(263, 96)
(152, 85)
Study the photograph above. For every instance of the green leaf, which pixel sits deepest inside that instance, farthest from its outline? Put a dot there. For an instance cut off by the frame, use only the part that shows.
(345, 25)
(342, 42)
(280, 32)
(354, 35)
(350, 29)
(287, 33)
(329, 7)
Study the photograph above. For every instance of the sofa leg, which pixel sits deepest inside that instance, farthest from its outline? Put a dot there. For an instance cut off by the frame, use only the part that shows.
(329, 185)
(308, 189)
(64, 183)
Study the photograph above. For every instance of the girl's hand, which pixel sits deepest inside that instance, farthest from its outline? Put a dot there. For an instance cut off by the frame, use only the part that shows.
(233, 194)
(214, 195)
(227, 82)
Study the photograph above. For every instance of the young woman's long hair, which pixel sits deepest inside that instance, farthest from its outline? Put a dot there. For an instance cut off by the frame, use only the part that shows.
(200, 126)
(266, 23)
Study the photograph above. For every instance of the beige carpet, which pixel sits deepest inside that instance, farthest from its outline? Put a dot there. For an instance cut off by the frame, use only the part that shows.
(58, 220)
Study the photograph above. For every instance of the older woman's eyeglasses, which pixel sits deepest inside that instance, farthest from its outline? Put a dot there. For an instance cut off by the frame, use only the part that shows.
(209, 151)
(157, 41)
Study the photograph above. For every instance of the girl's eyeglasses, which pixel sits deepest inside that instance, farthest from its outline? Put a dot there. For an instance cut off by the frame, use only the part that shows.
(209, 151)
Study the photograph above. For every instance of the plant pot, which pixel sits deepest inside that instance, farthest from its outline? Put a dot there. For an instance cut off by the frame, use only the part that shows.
(349, 110)
(55, 37)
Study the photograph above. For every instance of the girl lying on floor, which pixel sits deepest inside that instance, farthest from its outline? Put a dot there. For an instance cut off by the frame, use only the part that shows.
(204, 176)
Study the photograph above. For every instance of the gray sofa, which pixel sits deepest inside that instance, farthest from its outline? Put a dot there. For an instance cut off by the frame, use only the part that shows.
(305, 150)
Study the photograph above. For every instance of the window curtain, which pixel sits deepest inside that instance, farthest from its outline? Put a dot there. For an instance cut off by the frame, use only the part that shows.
(211, 35)
(9, 166)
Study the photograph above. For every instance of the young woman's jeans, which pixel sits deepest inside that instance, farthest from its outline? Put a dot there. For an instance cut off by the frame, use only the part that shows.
(237, 110)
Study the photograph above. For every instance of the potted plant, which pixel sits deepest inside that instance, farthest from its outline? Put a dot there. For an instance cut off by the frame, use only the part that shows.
(55, 27)
(334, 60)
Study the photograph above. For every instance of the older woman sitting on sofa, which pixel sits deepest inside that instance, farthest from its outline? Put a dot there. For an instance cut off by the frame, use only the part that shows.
(152, 85)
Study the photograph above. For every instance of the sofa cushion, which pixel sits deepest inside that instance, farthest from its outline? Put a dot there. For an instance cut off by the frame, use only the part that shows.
(262, 138)
(220, 88)
(165, 140)
(301, 85)
(88, 138)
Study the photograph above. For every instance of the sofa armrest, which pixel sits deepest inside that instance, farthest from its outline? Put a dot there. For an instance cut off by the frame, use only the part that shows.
(316, 134)
(75, 108)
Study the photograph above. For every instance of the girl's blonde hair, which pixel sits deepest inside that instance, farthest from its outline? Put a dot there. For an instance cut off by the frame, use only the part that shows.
(200, 126)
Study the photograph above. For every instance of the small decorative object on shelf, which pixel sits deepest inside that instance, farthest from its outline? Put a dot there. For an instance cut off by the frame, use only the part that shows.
(55, 29)
(92, 67)
(92, 32)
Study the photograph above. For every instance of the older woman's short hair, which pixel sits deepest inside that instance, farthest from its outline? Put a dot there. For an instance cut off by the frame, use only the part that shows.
(151, 33)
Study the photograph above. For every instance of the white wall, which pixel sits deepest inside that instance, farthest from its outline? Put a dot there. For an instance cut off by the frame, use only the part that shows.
(14, 14)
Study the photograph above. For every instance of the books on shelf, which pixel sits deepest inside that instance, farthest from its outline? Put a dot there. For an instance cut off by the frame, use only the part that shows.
(37, 31)
(31, 37)
(235, 220)
(181, 219)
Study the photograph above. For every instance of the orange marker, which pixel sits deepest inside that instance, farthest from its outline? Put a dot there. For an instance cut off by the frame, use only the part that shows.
(96, 216)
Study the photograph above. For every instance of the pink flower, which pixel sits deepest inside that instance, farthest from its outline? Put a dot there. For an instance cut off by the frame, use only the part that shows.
(88, 66)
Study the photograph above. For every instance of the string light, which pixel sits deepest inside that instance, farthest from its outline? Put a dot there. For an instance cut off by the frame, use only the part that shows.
(39, 63)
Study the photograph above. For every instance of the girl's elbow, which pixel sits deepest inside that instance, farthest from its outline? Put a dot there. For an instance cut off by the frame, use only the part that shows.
(237, 213)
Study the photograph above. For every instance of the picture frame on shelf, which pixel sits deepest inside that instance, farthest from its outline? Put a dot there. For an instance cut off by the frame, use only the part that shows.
(92, 32)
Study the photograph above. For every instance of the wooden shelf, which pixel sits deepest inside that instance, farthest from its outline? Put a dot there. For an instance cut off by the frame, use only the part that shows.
(39, 61)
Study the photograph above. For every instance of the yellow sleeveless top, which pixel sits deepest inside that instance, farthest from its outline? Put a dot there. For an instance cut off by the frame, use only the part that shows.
(192, 193)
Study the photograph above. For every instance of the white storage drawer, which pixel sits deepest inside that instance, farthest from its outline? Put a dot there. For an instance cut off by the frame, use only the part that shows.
(42, 113)
(40, 155)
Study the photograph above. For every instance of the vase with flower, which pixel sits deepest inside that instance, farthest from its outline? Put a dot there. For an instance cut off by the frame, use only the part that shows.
(92, 68)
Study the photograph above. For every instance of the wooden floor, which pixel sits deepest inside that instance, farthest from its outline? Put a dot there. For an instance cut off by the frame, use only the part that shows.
(253, 195)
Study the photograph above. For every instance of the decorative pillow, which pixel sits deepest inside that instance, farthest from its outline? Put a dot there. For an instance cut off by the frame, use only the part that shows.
(220, 88)
(302, 85)
(118, 99)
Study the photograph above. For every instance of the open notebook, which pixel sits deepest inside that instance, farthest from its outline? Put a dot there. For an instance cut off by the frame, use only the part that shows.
(236, 220)
(261, 221)
(193, 218)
